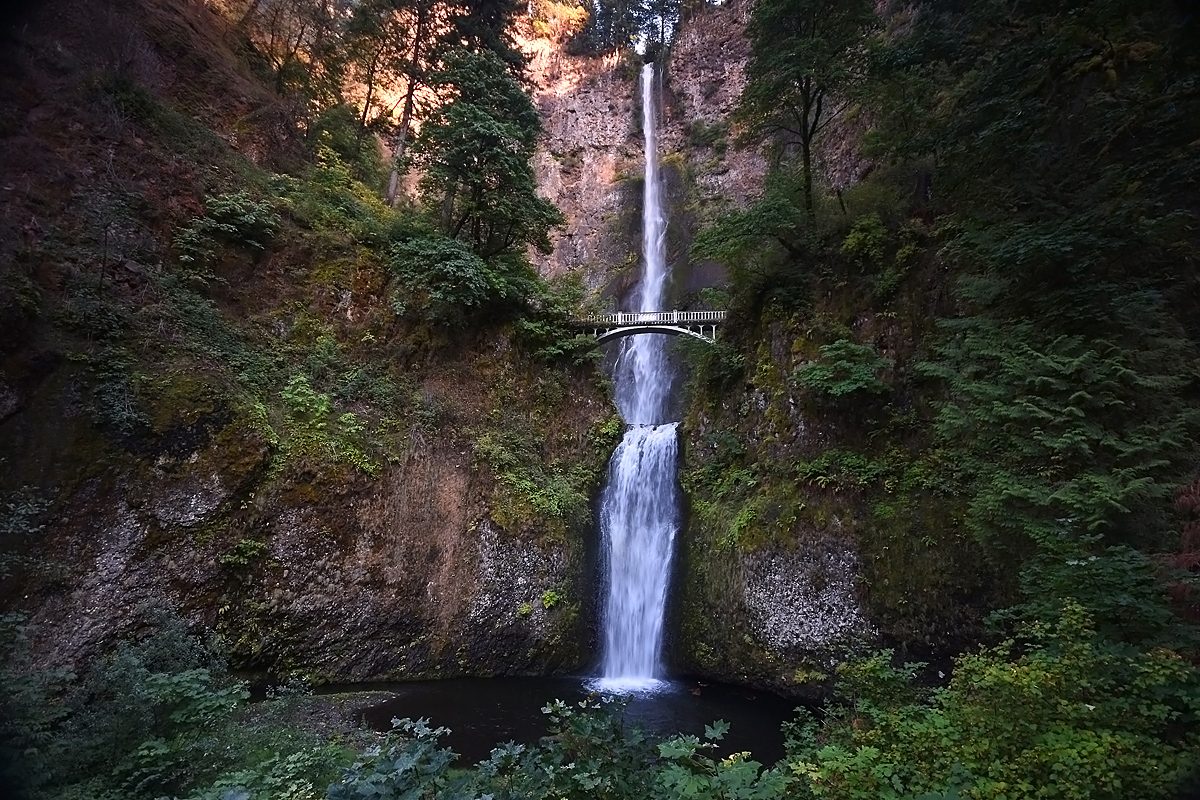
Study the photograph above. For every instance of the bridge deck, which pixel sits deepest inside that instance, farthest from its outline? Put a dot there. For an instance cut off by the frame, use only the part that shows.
(622, 318)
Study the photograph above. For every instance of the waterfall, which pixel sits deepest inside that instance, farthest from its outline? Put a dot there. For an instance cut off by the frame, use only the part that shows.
(639, 509)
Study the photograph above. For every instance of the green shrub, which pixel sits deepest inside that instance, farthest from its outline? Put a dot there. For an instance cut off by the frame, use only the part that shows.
(305, 402)
(590, 754)
(866, 241)
(844, 368)
(444, 280)
(337, 128)
(244, 553)
(230, 219)
(157, 717)
(1066, 714)
(442, 277)
(840, 470)
(115, 404)
(701, 134)
(331, 199)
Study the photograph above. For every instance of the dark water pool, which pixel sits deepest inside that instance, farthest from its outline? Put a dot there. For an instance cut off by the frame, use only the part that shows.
(481, 713)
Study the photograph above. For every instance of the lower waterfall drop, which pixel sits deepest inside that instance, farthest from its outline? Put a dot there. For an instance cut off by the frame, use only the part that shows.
(639, 509)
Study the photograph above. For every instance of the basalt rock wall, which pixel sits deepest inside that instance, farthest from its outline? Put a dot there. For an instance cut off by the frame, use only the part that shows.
(267, 449)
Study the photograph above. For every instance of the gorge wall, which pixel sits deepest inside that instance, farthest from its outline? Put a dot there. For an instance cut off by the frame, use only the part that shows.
(266, 450)
(272, 453)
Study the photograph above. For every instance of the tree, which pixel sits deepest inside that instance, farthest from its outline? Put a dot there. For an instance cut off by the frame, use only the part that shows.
(613, 24)
(421, 55)
(804, 54)
(300, 40)
(479, 25)
(376, 38)
(475, 150)
(659, 18)
(1063, 713)
(439, 27)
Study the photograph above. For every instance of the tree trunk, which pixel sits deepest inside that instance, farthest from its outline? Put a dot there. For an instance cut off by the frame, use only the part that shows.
(405, 121)
(362, 120)
(244, 21)
(393, 188)
(806, 151)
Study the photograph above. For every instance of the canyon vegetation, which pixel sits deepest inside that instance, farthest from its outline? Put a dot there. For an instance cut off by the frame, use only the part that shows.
(293, 392)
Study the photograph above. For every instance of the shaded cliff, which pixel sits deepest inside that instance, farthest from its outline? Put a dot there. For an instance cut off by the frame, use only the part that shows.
(240, 423)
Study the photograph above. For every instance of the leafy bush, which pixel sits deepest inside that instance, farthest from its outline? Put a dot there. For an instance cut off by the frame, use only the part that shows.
(158, 717)
(544, 327)
(866, 241)
(21, 514)
(701, 134)
(309, 432)
(236, 219)
(1043, 432)
(115, 405)
(443, 278)
(305, 402)
(1065, 715)
(1120, 587)
(844, 368)
(338, 129)
(840, 470)
(330, 198)
(244, 553)
(590, 754)
(532, 492)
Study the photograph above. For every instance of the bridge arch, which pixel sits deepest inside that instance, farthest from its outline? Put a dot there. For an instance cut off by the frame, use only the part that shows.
(633, 330)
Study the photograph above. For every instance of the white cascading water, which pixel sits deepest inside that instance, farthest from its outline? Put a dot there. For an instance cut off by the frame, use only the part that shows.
(639, 509)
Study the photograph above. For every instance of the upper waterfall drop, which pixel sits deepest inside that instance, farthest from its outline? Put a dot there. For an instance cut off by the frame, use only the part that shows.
(639, 509)
(643, 376)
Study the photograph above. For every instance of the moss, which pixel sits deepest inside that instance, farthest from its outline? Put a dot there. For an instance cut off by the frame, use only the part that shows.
(182, 398)
(765, 465)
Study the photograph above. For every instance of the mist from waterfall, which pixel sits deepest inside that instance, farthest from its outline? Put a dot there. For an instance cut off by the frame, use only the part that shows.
(639, 509)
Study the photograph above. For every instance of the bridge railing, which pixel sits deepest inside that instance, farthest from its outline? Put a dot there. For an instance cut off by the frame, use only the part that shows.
(655, 318)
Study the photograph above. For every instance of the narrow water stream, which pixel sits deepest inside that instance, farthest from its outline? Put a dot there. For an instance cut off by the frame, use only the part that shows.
(639, 509)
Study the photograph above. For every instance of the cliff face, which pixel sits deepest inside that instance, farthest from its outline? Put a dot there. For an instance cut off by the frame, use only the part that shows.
(706, 77)
(590, 161)
(267, 449)
(300, 568)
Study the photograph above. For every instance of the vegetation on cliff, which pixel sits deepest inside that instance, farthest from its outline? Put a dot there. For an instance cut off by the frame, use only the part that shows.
(226, 358)
(1032, 189)
(976, 363)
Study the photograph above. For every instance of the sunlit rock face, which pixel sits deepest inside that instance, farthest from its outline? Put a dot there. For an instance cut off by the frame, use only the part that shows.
(590, 162)
(589, 150)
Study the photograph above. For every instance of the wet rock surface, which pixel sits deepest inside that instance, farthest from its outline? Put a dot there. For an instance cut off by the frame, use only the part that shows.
(802, 602)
